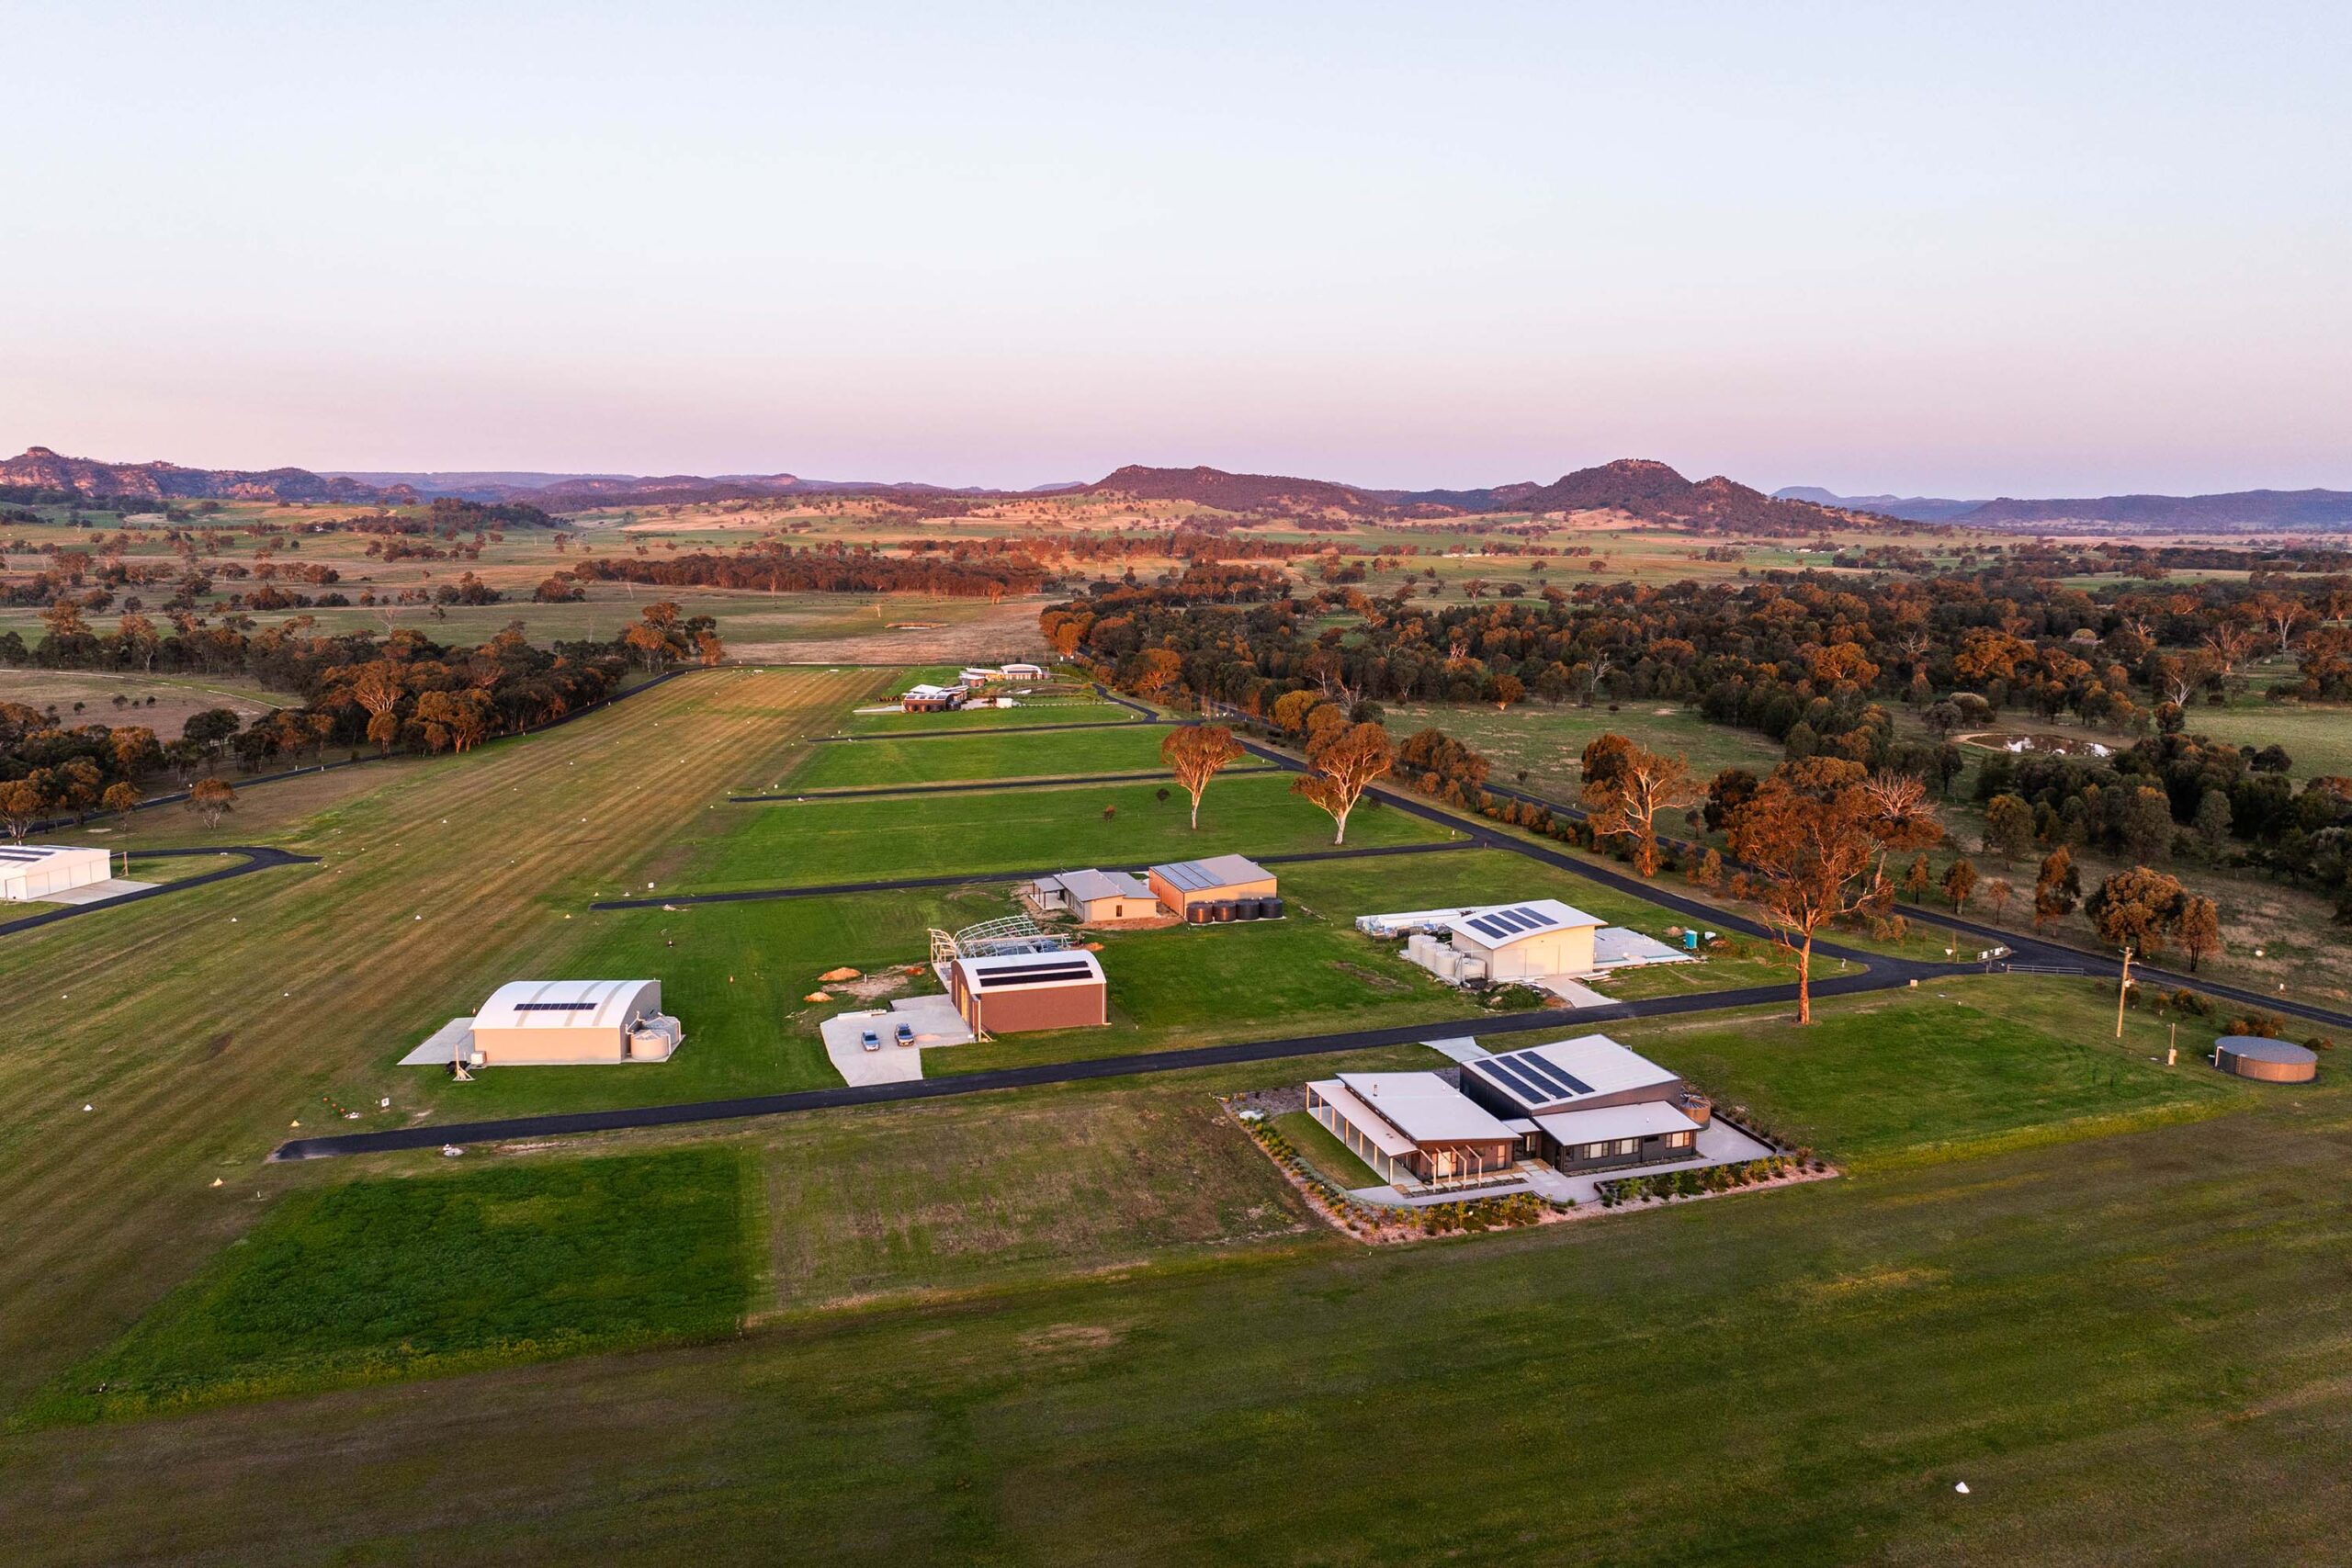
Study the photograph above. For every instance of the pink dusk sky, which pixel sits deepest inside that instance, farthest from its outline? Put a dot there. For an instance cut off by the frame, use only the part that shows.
(1959, 250)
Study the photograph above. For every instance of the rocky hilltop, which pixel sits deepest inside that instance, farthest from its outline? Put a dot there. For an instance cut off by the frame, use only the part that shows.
(40, 469)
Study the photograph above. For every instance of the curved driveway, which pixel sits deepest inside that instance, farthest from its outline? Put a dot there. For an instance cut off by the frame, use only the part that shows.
(258, 857)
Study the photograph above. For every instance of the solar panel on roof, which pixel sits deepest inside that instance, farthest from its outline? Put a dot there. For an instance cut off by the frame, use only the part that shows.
(1544, 1071)
(1505, 919)
(1494, 929)
(1535, 919)
(1034, 975)
(1524, 1087)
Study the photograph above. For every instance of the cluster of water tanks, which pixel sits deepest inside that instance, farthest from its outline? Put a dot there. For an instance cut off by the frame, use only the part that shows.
(1444, 961)
(1213, 912)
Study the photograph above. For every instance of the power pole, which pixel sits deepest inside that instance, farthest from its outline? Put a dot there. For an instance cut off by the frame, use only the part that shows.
(2121, 991)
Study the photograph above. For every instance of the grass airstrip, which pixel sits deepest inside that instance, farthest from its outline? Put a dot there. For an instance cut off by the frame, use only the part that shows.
(1039, 1325)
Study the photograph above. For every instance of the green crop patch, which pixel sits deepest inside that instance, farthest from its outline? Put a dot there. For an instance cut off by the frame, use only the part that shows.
(389, 1278)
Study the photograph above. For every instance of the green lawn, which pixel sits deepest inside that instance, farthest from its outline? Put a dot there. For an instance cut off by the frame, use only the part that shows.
(947, 760)
(735, 975)
(1074, 708)
(388, 1278)
(789, 844)
(1333, 1159)
(2128, 1347)
(1968, 1065)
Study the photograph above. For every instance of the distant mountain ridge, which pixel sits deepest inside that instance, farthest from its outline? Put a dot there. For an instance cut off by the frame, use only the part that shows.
(2225, 512)
(1910, 508)
(39, 468)
(1640, 488)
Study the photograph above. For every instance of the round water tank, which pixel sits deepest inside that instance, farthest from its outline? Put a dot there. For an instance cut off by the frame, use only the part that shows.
(1199, 914)
(2271, 1061)
(1224, 910)
(1270, 909)
(1245, 909)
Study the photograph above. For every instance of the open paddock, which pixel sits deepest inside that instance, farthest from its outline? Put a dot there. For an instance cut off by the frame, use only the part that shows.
(821, 842)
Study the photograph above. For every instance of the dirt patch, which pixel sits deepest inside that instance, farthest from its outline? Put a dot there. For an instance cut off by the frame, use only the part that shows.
(1372, 978)
(872, 987)
(1069, 1339)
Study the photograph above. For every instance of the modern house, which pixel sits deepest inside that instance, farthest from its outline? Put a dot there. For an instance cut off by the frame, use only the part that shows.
(1093, 896)
(1414, 1130)
(31, 872)
(1592, 1104)
(925, 698)
(1223, 887)
(568, 1023)
(1007, 993)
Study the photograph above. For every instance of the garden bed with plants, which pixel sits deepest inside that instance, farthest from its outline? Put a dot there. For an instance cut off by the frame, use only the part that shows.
(1377, 1224)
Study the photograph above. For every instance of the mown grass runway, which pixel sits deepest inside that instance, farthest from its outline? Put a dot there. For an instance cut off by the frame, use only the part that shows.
(197, 1027)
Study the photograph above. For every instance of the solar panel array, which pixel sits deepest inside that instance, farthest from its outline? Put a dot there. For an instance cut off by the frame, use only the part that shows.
(1504, 925)
(1032, 975)
(1531, 1077)
(22, 852)
(555, 1007)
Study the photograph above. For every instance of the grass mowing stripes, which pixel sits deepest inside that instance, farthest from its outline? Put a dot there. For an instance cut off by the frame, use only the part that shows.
(388, 1278)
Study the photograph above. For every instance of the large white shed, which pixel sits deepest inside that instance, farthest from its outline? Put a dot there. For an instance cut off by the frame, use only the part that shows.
(562, 1022)
(30, 872)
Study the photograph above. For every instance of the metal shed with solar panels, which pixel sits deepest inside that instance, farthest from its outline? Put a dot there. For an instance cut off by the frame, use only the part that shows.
(1594, 1104)
(30, 872)
(1011, 992)
(1525, 942)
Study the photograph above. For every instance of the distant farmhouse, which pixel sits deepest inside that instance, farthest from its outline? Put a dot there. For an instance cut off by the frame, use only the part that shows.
(926, 698)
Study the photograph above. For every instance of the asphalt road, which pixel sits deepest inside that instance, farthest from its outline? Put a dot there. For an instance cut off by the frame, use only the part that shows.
(461, 1132)
(1877, 974)
(258, 857)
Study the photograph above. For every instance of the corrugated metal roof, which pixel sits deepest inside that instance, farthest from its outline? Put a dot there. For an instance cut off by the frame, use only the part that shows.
(1646, 1119)
(1002, 972)
(1568, 1070)
(558, 1004)
(1499, 925)
(1217, 871)
(1424, 1107)
(1090, 885)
